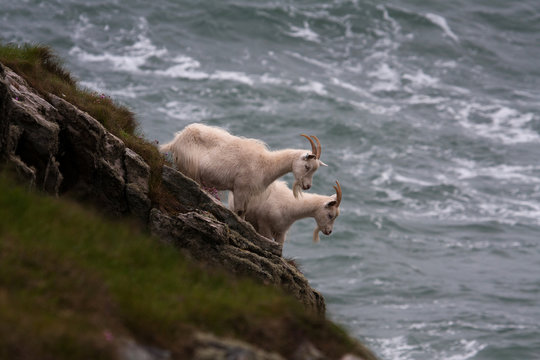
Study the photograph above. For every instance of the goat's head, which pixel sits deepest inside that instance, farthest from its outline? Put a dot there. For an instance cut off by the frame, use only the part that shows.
(305, 166)
(327, 214)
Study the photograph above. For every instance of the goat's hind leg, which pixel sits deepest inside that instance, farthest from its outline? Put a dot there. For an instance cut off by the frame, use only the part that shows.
(240, 205)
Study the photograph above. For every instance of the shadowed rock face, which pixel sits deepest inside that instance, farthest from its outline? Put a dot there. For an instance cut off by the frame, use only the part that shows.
(57, 148)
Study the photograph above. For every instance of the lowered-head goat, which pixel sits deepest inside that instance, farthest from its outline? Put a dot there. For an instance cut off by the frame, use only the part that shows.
(273, 212)
(214, 158)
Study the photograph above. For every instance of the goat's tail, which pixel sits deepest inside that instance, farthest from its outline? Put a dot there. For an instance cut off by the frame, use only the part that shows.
(166, 148)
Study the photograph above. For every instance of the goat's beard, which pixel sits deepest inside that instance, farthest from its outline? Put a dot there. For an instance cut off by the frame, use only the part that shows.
(297, 189)
(316, 238)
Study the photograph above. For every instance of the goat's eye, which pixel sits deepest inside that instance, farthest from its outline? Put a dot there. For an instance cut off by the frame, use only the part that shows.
(330, 216)
(307, 167)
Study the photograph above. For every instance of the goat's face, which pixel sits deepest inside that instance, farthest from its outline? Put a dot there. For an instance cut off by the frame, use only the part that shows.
(303, 170)
(326, 215)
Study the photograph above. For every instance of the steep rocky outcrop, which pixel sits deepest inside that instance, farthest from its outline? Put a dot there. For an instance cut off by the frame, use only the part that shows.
(57, 148)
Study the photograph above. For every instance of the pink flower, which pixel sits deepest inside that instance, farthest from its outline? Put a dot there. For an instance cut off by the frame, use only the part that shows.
(108, 335)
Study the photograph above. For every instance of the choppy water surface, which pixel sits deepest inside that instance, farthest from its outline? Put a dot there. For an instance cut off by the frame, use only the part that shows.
(429, 117)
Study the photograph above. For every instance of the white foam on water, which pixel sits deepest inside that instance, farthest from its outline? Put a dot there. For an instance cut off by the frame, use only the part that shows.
(98, 86)
(351, 87)
(441, 22)
(188, 68)
(419, 99)
(469, 349)
(81, 27)
(508, 211)
(374, 108)
(384, 177)
(185, 68)
(468, 169)
(304, 33)
(503, 124)
(313, 87)
(421, 79)
(131, 91)
(130, 59)
(410, 180)
(309, 60)
(268, 79)
(389, 78)
(232, 76)
(396, 28)
(395, 348)
(184, 111)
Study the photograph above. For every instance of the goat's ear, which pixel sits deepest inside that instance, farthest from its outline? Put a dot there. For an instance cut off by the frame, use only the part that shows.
(331, 203)
(321, 163)
(309, 156)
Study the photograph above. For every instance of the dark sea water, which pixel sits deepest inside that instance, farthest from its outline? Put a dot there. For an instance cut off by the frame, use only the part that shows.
(429, 116)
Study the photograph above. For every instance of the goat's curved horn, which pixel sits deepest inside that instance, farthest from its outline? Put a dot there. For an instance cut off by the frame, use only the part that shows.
(319, 147)
(313, 146)
(338, 193)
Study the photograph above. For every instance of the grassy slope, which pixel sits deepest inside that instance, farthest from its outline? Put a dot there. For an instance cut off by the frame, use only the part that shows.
(72, 284)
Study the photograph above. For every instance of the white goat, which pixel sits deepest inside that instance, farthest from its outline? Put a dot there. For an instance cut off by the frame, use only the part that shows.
(214, 158)
(274, 211)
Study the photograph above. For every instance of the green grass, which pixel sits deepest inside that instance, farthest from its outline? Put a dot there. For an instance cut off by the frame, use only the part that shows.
(43, 70)
(72, 284)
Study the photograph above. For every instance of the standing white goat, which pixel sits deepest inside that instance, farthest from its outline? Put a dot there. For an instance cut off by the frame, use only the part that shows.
(274, 211)
(214, 158)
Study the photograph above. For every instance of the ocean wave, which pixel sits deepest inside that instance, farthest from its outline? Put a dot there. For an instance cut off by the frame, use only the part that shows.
(497, 122)
(421, 79)
(184, 111)
(304, 33)
(129, 58)
(330, 67)
(232, 76)
(441, 22)
(185, 67)
(467, 169)
(312, 87)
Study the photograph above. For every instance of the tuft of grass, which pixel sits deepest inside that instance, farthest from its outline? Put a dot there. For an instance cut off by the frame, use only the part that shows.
(72, 285)
(44, 71)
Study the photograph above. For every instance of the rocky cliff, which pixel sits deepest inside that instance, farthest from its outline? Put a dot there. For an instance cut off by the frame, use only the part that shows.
(55, 147)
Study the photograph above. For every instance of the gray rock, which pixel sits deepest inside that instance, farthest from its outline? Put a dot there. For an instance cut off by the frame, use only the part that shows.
(205, 238)
(25, 173)
(351, 357)
(191, 196)
(139, 204)
(308, 351)
(210, 347)
(130, 350)
(14, 135)
(138, 171)
(52, 178)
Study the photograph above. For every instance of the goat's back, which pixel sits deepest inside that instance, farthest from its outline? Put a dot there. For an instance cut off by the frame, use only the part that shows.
(267, 206)
(211, 155)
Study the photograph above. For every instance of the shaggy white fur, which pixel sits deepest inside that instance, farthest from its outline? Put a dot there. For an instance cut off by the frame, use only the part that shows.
(273, 212)
(215, 158)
